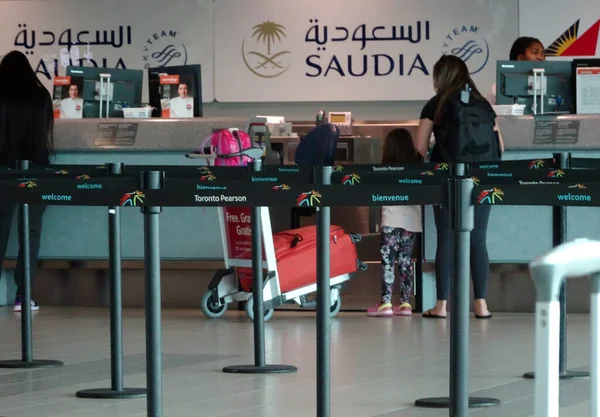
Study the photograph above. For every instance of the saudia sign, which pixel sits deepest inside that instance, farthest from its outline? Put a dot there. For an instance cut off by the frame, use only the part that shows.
(323, 63)
(268, 51)
(160, 48)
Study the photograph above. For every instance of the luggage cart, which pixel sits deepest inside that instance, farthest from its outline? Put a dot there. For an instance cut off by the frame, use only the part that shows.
(224, 288)
(575, 259)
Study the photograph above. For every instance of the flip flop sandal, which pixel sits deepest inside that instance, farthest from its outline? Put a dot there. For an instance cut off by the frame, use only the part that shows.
(429, 315)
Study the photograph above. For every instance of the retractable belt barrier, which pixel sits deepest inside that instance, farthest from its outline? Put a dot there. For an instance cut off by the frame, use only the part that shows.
(291, 187)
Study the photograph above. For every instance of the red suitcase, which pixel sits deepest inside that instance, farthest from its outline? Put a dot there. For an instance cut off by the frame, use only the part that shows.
(296, 254)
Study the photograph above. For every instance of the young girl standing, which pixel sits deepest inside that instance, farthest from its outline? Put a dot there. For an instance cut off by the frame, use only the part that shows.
(399, 224)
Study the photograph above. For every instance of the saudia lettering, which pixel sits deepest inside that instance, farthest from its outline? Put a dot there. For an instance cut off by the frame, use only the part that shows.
(220, 198)
(380, 65)
(31, 39)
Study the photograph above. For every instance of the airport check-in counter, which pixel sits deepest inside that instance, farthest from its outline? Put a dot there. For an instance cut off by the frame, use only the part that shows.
(186, 234)
(515, 234)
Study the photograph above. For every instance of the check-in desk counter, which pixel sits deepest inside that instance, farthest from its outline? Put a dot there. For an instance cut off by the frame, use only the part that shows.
(191, 235)
(186, 234)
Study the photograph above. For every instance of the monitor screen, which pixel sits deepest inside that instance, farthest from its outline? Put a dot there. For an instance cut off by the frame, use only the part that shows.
(125, 89)
(586, 84)
(169, 87)
(515, 85)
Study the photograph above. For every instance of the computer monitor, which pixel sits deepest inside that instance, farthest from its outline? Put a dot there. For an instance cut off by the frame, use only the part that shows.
(515, 85)
(126, 88)
(191, 74)
(586, 85)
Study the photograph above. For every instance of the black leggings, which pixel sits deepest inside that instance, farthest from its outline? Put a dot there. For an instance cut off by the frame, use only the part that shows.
(36, 214)
(480, 263)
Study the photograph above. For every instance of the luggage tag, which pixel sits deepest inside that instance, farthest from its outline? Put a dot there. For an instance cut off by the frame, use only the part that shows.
(465, 95)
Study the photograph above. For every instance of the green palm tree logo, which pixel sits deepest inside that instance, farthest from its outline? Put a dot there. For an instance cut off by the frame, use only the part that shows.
(266, 64)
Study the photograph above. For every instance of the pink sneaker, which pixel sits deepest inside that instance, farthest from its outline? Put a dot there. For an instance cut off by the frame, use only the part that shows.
(381, 310)
(403, 309)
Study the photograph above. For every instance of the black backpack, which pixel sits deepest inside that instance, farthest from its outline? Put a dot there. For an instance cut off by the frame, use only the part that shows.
(467, 133)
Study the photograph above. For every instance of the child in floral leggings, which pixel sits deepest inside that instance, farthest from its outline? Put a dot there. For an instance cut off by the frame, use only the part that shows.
(399, 225)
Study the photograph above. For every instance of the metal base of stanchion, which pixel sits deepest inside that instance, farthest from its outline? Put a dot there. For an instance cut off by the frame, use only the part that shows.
(444, 402)
(107, 393)
(37, 363)
(266, 369)
(562, 375)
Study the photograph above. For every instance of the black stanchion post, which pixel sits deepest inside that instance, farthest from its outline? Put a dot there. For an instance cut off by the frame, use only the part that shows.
(116, 389)
(461, 212)
(559, 236)
(323, 305)
(27, 360)
(260, 366)
(152, 180)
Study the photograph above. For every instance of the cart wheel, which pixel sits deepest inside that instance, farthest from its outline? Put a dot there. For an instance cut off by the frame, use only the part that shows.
(209, 308)
(250, 310)
(355, 237)
(335, 308)
(362, 266)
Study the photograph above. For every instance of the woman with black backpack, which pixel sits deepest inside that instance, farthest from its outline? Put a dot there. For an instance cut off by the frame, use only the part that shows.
(459, 141)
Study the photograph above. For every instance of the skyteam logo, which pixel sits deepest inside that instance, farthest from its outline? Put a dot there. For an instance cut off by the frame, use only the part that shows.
(578, 186)
(427, 173)
(164, 48)
(350, 179)
(83, 177)
(537, 164)
(475, 180)
(282, 187)
(490, 196)
(309, 199)
(62, 172)
(338, 168)
(556, 173)
(441, 167)
(468, 43)
(135, 198)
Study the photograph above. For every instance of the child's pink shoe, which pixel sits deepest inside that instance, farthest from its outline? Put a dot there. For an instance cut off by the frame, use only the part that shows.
(403, 309)
(381, 310)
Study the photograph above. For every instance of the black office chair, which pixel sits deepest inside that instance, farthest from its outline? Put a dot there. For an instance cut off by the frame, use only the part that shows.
(317, 148)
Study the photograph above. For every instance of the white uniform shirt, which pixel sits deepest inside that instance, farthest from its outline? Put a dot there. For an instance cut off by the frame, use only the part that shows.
(71, 108)
(182, 107)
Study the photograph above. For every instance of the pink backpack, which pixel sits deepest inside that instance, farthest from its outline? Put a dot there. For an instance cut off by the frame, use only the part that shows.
(226, 142)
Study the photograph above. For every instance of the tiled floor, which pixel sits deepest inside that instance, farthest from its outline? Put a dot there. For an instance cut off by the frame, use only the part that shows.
(379, 366)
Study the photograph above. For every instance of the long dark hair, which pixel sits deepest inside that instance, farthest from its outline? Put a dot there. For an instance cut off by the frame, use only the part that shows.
(398, 148)
(519, 46)
(450, 76)
(26, 114)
